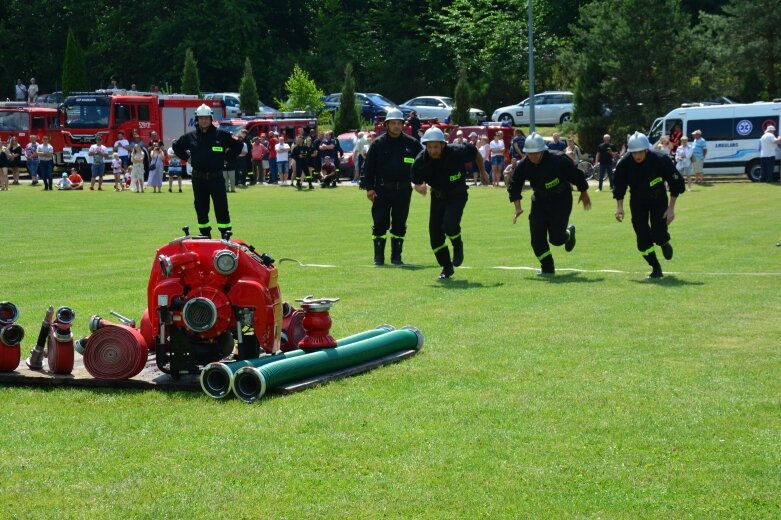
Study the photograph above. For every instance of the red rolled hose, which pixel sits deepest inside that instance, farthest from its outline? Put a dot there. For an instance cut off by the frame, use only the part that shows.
(115, 352)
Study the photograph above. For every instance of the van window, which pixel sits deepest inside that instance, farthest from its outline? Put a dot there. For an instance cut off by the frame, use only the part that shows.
(752, 127)
(712, 129)
(39, 123)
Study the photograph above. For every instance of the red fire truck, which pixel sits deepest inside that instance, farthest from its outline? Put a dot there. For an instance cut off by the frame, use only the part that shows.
(23, 120)
(87, 114)
(288, 124)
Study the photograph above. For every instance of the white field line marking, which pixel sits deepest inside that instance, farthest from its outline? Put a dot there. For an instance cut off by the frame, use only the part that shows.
(571, 269)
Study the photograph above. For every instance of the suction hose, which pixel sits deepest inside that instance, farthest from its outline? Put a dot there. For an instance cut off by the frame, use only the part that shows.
(251, 383)
(115, 352)
(217, 378)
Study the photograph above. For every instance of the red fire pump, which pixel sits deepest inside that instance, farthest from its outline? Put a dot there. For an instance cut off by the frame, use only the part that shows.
(11, 334)
(206, 298)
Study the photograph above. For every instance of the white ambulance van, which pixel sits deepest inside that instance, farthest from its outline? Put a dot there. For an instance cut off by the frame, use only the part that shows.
(731, 131)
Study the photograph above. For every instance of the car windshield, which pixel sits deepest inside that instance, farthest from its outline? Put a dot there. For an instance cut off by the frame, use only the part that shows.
(448, 101)
(14, 121)
(230, 128)
(347, 144)
(381, 100)
(86, 112)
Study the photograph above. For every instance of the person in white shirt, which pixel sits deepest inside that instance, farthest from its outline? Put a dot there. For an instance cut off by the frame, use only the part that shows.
(122, 147)
(768, 144)
(359, 154)
(683, 161)
(21, 91)
(497, 157)
(46, 163)
(98, 153)
(32, 92)
(283, 153)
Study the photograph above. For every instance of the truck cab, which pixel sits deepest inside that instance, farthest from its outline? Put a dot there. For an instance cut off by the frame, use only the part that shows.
(22, 120)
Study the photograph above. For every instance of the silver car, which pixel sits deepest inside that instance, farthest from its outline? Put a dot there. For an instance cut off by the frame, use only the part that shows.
(440, 107)
(550, 108)
(232, 103)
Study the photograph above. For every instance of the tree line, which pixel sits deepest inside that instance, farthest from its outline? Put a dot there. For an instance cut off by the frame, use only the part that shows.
(638, 57)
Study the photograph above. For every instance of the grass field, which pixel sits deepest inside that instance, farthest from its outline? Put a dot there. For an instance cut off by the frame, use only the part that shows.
(592, 394)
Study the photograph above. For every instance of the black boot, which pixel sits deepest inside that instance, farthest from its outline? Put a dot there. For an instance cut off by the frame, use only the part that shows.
(458, 251)
(656, 268)
(379, 251)
(569, 245)
(667, 251)
(546, 266)
(396, 247)
(205, 231)
(443, 258)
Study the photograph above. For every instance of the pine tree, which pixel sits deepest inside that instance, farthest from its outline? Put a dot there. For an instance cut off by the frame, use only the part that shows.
(74, 69)
(347, 117)
(248, 90)
(191, 83)
(588, 108)
(462, 96)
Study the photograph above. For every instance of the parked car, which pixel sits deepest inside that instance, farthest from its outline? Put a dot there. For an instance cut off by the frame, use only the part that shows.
(439, 107)
(233, 103)
(346, 165)
(550, 108)
(372, 104)
(54, 98)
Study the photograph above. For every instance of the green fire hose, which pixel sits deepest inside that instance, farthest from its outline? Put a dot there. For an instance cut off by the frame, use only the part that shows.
(217, 378)
(251, 383)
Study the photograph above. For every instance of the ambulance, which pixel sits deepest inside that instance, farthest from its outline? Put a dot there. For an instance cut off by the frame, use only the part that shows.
(732, 133)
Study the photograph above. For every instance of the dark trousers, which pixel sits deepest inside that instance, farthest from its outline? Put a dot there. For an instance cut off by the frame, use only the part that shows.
(768, 165)
(548, 221)
(444, 219)
(204, 189)
(45, 169)
(648, 221)
(390, 211)
(605, 169)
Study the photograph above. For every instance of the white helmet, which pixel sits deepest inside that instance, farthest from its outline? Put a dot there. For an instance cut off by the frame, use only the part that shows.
(204, 110)
(433, 134)
(637, 143)
(394, 114)
(534, 143)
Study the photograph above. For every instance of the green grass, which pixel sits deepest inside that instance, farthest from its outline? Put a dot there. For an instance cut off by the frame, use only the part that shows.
(594, 394)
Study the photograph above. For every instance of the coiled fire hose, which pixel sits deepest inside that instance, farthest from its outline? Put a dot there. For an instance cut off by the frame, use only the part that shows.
(114, 352)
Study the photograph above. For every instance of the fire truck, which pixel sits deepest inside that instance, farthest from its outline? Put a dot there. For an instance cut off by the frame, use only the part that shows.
(286, 124)
(107, 112)
(23, 120)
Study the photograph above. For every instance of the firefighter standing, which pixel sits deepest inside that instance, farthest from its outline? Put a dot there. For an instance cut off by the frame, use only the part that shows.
(551, 176)
(387, 181)
(301, 154)
(645, 174)
(206, 148)
(442, 166)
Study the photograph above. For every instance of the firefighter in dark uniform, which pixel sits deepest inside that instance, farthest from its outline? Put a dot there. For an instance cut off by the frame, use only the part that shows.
(387, 182)
(442, 166)
(206, 148)
(645, 173)
(551, 175)
(302, 154)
